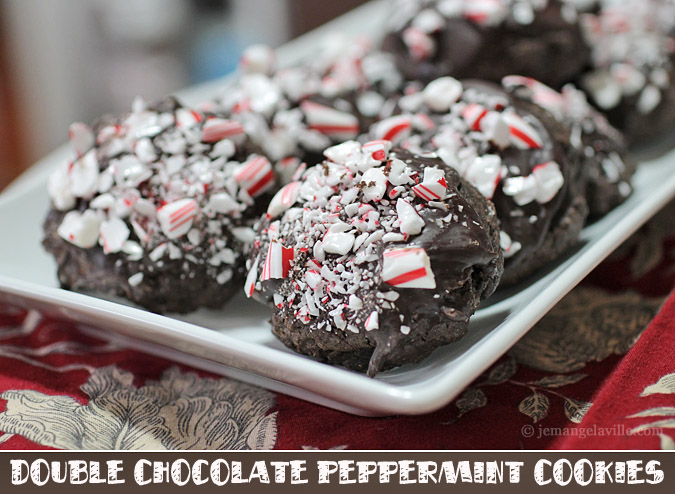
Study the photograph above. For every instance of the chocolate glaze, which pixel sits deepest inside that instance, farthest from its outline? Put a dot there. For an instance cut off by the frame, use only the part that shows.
(466, 262)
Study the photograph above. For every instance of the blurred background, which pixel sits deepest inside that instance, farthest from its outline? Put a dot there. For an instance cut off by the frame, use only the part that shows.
(73, 61)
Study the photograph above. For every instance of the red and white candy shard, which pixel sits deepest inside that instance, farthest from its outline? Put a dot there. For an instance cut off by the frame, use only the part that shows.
(255, 176)
(541, 185)
(217, 129)
(341, 153)
(80, 229)
(433, 186)
(114, 233)
(186, 117)
(411, 222)
(278, 262)
(258, 59)
(284, 199)
(408, 268)
(329, 121)
(176, 218)
(393, 129)
(378, 149)
(440, 94)
(484, 173)
(420, 45)
(372, 322)
(472, 114)
(81, 138)
(249, 285)
(523, 135)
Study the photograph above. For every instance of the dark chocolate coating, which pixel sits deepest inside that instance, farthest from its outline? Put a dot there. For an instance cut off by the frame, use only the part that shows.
(548, 49)
(467, 264)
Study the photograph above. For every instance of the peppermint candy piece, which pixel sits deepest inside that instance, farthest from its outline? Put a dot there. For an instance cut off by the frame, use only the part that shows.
(433, 186)
(378, 149)
(549, 180)
(114, 233)
(84, 175)
(372, 322)
(81, 138)
(509, 248)
(408, 267)
(329, 121)
(420, 45)
(428, 21)
(340, 153)
(278, 262)
(485, 12)
(339, 243)
(176, 218)
(249, 285)
(523, 135)
(283, 199)
(541, 185)
(258, 59)
(80, 229)
(223, 203)
(186, 117)
(411, 222)
(397, 173)
(484, 173)
(374, 184)
(59, 189)
(217, 129)
(255, 176)
(393, 129)
(440, 94)
(472, 114)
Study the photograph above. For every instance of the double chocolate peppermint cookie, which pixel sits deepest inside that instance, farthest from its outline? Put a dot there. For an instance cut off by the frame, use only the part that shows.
(512, 150)
(375, 258)
(157, 207)
(486, 39)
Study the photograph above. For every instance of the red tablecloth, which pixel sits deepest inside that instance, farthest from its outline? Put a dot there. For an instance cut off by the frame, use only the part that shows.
(62, 389)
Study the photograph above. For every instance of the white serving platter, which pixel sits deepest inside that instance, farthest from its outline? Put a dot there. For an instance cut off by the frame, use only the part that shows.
(237, 342)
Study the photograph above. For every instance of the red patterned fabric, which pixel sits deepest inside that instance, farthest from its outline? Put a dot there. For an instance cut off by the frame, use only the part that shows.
(62, 389)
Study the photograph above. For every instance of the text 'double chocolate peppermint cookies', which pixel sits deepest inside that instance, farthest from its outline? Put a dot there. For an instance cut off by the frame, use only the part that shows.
(157, 207)
(376, 258)
(487, 39)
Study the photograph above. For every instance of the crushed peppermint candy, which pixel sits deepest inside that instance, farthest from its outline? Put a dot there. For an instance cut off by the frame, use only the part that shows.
(155, 185)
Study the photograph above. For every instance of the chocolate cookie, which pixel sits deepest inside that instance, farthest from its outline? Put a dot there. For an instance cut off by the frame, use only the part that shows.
(376, 258)
(513, 151)
(605, 166)
(157, 207)
(293, 113)
(486, 39)
(632, 72)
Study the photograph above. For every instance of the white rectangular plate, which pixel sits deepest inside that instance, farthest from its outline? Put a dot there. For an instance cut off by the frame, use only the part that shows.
(236, 341)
